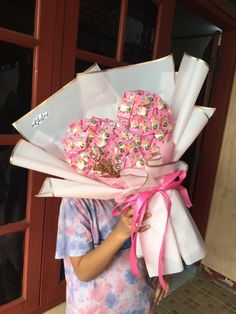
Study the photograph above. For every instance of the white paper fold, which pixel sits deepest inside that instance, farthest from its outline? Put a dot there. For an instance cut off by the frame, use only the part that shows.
(29, 156)
(195, 124)
(183, 241)
(189, 81)
(156, 76)
(52, 121)
(46, 124)
(67, 188)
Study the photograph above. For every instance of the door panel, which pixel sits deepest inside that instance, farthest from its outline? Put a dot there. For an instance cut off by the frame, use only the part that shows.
(16, 64)
(26, 64)
(140, 31)
(100, 36)
(11, 271)
(18, 15)
(13, 187)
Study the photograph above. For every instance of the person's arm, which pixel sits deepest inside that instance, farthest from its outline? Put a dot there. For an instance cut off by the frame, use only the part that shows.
(89, 266)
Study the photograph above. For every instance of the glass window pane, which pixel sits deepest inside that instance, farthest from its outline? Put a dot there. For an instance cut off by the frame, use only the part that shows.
(11, 266)
(81, 66)
(15, 84)
(191, 33)
(13, 187)
(17, 15)
(98, 26)
(140, 31)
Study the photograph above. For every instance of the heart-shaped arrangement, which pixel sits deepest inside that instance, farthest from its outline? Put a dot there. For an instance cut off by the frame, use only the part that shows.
(103, 147)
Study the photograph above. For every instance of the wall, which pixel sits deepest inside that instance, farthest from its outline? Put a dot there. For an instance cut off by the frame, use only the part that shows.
(221, 230)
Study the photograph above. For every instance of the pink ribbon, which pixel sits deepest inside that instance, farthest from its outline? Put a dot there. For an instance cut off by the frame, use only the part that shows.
(139, 202)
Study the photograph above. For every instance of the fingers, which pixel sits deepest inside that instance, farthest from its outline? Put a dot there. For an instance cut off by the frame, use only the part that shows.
(160, 293)
(144, 228)
(129, 213)
(147, 215)
(129, 217)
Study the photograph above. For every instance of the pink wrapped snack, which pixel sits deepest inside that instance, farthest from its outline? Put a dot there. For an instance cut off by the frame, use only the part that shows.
(103, 147)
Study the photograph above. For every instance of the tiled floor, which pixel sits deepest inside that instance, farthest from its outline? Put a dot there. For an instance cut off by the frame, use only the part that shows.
(191, 293)
(199, 296)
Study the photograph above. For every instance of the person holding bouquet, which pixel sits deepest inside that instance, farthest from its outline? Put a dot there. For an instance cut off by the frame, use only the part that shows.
(92, 240)
(95, 247)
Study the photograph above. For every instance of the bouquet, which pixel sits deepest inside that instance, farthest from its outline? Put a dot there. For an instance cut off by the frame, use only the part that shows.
(119, 134)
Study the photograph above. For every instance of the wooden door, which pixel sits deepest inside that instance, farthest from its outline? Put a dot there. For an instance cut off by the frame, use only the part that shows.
(26, 62)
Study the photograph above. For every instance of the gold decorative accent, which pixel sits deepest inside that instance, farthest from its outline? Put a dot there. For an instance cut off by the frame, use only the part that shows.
(106, 167)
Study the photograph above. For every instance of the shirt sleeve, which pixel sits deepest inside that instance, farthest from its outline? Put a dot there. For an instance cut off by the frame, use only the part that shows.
(74, 236)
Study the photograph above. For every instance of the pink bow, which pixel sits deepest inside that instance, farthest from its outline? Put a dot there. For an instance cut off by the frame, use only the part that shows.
(139, 202)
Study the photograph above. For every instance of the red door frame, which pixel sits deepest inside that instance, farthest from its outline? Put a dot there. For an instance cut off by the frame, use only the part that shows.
(52, 291)
(43, 44)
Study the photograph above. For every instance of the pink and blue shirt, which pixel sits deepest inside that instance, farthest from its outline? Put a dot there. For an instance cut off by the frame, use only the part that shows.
(83, 225)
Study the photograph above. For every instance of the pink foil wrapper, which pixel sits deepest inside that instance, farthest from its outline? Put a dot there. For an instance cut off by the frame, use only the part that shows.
(104, 147)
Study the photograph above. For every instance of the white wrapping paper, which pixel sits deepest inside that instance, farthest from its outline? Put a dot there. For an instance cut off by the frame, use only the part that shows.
(194, 125)
(97, 93)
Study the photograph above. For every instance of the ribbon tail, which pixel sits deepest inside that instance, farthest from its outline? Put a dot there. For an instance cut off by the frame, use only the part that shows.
(133, 258)
(185, 197)
(161, 253)
(160, 268)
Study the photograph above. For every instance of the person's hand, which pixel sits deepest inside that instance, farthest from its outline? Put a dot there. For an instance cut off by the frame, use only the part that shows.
(160, 293)
(123, 227)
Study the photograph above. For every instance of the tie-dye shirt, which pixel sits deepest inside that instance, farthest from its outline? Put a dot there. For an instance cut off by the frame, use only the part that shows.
(84, 224)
